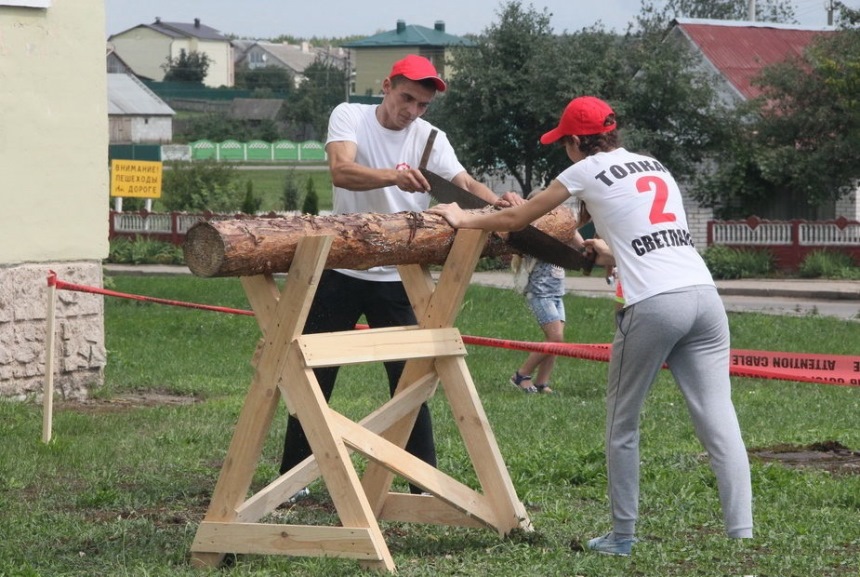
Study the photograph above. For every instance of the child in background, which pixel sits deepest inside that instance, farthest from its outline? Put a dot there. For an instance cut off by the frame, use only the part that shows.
(543, 291)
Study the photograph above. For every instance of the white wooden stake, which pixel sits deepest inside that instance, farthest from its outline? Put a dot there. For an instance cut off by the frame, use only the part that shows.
(48, 393)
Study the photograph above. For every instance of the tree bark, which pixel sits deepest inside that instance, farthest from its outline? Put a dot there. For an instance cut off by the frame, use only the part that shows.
(247, 247)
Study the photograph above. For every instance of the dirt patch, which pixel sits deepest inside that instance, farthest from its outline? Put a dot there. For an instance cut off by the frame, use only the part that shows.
(128, 402)
(829, 456)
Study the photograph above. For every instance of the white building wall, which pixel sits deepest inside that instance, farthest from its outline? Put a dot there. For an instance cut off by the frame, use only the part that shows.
(848, 206)
(152, 130)
(54, 204)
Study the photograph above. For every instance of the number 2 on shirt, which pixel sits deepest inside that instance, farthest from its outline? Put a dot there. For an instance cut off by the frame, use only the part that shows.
(661, 194)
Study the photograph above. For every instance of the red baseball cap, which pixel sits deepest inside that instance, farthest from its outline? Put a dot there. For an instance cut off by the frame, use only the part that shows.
(417, 68)
(582, 116)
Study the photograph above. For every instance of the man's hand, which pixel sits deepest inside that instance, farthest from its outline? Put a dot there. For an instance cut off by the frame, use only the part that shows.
(411, 180)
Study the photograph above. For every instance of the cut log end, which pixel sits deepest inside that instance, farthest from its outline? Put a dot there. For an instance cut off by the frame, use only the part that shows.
(204, 250)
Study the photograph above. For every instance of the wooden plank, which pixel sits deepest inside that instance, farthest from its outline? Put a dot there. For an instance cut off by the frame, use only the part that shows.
(406, 508)
(481, 445)
(277, 539)
(278, 491)
(419, 285)
(436, 306)
(366, 346)
(318, 423)
(48, 389)
(415, 470)
(261, 401)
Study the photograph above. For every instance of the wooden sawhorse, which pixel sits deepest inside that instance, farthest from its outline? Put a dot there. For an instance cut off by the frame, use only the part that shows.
(284, 363)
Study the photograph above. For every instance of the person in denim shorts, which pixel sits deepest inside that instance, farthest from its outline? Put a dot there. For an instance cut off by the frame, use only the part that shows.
(544, 293)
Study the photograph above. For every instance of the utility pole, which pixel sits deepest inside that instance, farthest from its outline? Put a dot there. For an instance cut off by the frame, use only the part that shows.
(751, 10)
(830, 9)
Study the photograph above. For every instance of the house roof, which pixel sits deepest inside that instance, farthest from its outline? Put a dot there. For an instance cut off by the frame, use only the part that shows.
(128, 96)
(182, 30)
(294, 57)
(740, 50)
(411, 35)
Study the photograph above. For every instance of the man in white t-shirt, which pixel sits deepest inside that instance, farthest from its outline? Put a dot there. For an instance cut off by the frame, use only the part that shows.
(374, 153)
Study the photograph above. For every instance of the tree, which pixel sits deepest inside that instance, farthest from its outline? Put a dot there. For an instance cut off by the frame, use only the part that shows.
(309, 107)
(510, 87)
(290, 192)
(251, 204)
(266, 82)
(670, 108)
(199, 186)
(311, 202)
(803, 133)
(187, 67)
(653, 18)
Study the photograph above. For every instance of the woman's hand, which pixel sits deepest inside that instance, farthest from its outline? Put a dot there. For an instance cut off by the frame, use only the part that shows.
(451, 212)
(508, 200)
(599, 247)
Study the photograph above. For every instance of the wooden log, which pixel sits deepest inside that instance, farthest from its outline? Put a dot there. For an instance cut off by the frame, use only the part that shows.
(246, 247)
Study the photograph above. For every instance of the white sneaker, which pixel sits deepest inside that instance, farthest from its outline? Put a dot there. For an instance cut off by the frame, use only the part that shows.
(299, 495)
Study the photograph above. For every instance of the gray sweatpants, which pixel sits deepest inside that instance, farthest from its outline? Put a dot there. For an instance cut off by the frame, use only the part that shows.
(687, 329)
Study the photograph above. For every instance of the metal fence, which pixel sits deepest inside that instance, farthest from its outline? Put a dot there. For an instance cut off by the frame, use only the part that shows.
(788, 241)
(259, 150)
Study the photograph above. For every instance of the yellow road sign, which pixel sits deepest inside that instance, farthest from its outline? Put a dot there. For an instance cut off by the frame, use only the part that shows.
(135, 178)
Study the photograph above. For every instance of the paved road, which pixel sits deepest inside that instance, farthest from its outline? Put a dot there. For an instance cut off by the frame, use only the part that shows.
(839, 299)
(784, 297)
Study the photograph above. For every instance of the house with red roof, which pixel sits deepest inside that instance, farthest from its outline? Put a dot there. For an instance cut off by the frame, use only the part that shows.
(737, 52)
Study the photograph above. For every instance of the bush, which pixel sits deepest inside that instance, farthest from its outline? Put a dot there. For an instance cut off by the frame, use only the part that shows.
(729, 263)
(311, 203)
(200, 185)
(828, 264)
(144, 251)
(251, 204)
(291, 192)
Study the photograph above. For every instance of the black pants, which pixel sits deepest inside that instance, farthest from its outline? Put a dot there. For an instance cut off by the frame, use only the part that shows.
(339, 302)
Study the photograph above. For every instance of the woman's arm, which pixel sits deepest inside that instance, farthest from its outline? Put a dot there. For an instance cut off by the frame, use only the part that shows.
(514, 218)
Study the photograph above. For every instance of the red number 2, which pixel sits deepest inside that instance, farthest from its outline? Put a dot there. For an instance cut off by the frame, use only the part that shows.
(661, 193)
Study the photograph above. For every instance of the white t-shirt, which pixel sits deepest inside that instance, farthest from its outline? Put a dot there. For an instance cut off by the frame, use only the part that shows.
(637, 208)
(380, 147)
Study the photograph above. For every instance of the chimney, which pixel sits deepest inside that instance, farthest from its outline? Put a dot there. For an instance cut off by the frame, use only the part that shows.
(439, 26)
(197, 22)
(401, 26)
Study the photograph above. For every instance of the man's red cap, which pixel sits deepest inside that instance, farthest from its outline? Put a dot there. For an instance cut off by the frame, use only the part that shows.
(582, 116)
(417, 68)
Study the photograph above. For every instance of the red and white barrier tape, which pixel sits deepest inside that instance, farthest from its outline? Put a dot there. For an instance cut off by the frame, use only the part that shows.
(801, 367)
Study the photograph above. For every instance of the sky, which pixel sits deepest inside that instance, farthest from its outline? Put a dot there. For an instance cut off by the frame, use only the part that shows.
(261, 19)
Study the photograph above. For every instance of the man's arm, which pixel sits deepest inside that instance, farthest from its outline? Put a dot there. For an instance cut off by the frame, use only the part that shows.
(347, 173)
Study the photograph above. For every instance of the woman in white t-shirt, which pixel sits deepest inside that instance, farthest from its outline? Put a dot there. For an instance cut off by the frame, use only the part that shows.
(672, 312)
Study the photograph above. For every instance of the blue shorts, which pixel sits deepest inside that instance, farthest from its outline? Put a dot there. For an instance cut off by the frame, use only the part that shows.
(546, 309)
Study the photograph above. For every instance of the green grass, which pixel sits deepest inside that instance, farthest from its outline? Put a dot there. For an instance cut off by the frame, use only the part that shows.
(123, 485)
